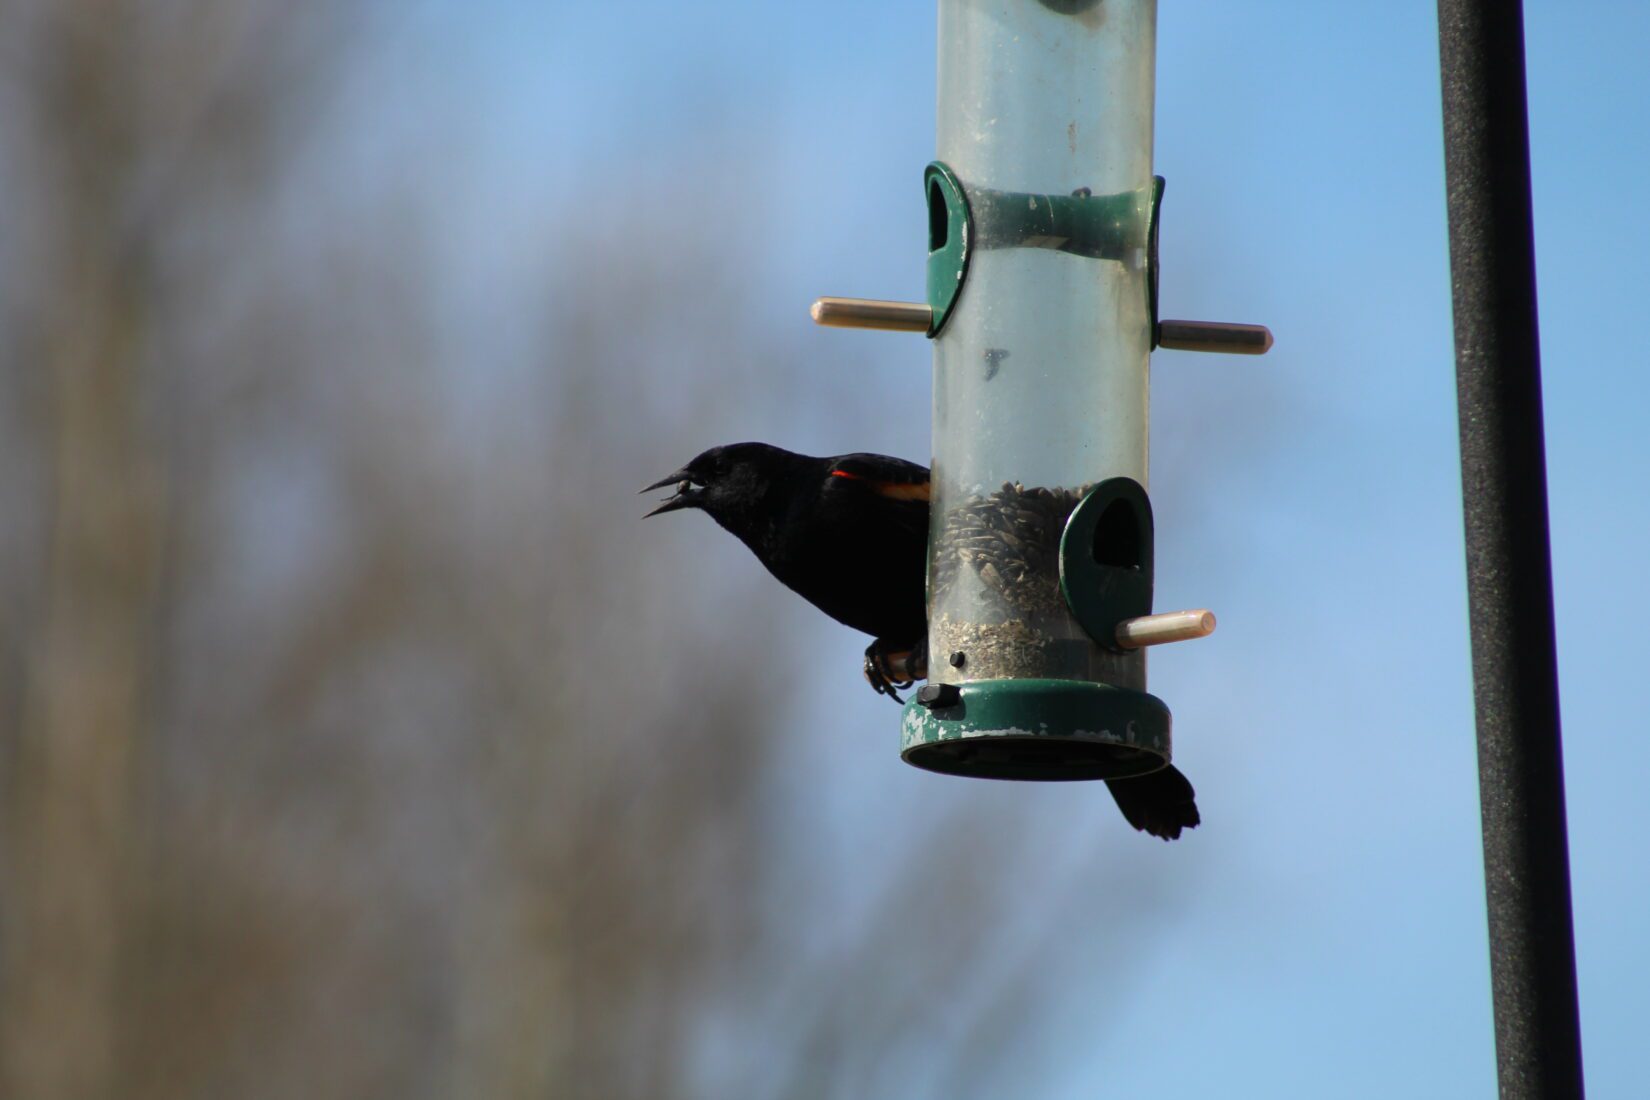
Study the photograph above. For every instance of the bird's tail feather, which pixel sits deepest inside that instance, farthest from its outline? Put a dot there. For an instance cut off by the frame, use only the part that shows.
(1161, 803)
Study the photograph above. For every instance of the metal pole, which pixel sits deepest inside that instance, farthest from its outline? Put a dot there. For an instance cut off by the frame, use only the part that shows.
(1509, 569)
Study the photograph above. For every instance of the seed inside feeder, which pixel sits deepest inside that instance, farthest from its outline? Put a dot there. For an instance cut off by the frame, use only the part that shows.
(1011, 540)
(1000, 552)
(996, 587)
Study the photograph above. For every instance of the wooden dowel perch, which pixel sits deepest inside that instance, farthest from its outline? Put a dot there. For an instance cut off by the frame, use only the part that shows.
(1219, 336)
(1172, 626)
(870, 313)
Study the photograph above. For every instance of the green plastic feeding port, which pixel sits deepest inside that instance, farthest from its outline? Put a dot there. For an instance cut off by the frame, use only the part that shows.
(949, 228)
(1040, 542)
(1099, 227)
(1106, 558)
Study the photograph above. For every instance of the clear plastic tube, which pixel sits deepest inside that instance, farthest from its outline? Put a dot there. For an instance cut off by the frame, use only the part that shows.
(1041, 371)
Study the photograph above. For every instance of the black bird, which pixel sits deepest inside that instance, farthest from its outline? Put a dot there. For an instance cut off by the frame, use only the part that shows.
(849, 534)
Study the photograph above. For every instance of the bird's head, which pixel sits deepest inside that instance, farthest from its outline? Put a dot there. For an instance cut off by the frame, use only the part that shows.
(725, 482)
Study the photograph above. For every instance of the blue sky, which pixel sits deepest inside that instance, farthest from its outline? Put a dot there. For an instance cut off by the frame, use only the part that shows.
(1323, 934)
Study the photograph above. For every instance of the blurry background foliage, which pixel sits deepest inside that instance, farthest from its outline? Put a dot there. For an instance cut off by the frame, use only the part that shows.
(358, 740)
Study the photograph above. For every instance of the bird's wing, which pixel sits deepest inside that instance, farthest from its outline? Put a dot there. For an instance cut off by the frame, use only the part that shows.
(889, 477)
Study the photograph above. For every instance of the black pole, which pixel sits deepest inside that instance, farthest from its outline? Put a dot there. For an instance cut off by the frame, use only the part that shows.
(1509, 569)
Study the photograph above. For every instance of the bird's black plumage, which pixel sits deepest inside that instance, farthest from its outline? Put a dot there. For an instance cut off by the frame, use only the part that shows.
(849, 534)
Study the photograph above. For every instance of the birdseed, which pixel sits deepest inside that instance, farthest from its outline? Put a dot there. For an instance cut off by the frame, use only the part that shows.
(1020, 626)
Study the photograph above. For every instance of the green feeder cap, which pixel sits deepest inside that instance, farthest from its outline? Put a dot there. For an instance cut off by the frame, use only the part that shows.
(1037, 730)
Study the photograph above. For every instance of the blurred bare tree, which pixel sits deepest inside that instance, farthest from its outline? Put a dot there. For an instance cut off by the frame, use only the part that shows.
(342, 731)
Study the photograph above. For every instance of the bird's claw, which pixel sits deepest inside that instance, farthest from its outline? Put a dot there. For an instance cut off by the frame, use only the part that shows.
(887, 671)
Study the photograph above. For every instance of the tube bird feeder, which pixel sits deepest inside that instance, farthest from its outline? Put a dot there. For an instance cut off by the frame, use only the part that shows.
(1042, 309)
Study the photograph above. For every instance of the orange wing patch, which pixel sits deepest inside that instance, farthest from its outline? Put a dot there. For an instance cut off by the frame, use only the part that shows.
(894, 490)
(917, 491)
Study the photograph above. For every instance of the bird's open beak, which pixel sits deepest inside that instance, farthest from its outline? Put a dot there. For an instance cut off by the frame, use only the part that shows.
(686, 496)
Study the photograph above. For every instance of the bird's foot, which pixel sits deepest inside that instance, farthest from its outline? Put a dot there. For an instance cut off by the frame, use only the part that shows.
(887, 668)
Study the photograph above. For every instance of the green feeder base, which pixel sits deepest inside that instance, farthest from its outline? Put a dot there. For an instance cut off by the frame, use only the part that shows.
(1038, 730)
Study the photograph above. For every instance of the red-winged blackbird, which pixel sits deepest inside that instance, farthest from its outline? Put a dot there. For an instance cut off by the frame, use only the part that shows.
(849, 534)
